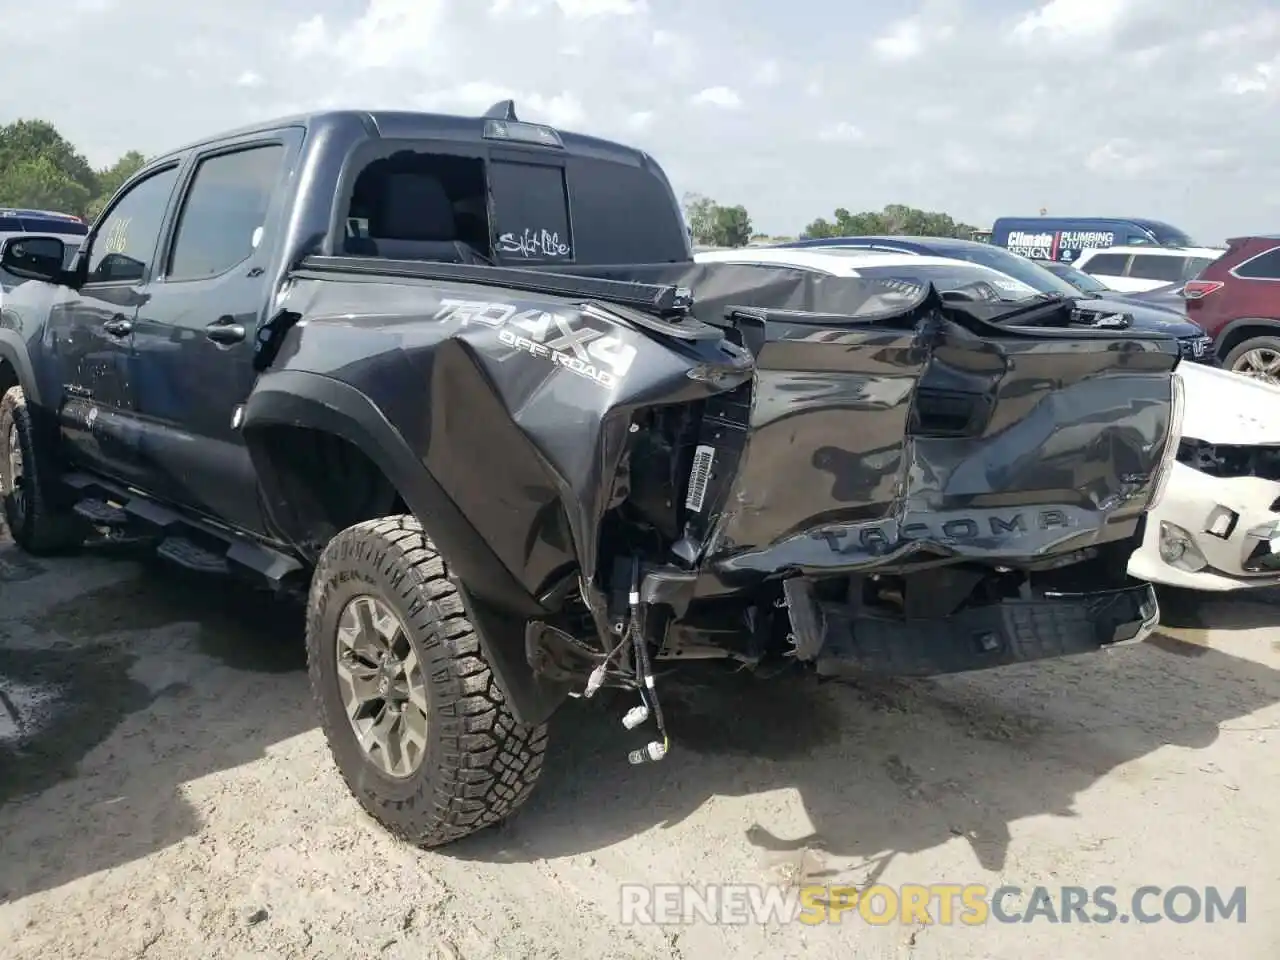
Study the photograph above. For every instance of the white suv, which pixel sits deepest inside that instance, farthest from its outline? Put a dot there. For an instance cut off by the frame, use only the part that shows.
(1134, 269)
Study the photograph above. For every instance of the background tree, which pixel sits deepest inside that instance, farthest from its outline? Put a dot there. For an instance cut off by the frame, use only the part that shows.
(716, 225)
(732, 226)
(41, 169)
(37, 182)
(699, 214)
(112, 178)
(896, 219)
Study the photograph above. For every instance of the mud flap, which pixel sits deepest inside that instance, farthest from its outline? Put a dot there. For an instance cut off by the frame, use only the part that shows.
(532, 698)
(840, 642)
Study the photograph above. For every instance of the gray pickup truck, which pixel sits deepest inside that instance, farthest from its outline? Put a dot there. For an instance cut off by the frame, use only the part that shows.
(458, 382)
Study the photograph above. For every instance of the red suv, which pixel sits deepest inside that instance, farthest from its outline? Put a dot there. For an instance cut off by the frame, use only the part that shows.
(1236, 300)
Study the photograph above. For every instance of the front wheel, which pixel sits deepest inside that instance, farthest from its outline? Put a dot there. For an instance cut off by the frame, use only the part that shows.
(414, 718)
(37, 525)
(1258, 357)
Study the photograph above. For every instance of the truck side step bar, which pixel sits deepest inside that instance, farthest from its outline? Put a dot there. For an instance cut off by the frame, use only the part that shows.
(186, 553)
(184, 540)
(101, 513)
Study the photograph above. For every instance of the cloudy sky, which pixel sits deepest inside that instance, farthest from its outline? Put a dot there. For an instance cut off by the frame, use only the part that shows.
(1160, 108)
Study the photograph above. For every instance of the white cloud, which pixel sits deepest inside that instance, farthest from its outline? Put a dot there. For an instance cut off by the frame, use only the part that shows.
(310, 37)
(570, 9)
(1123, 158)
(1147, 105)
(903, 41)
(678, 54)
(1070, 19)
(908, 39)
(640, 120)
(959, 157)
(583, 9)
(559, 110)
(515, 9)
(390, 33)
(1260, 78)
(1214, 156)
(768, 73)
(726, 98)
(842, 132)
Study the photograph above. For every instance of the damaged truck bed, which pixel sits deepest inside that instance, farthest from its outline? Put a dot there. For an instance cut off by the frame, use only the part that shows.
(510, 451)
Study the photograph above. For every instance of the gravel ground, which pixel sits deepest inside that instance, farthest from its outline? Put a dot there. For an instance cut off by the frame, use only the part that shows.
(164, 792)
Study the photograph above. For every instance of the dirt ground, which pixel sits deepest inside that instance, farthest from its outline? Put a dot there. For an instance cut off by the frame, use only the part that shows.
(164, 792)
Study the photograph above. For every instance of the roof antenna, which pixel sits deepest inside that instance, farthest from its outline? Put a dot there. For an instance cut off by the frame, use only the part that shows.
(503, 110)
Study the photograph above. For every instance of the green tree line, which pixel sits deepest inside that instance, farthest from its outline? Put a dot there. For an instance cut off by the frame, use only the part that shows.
(719, 225)
(42, 170)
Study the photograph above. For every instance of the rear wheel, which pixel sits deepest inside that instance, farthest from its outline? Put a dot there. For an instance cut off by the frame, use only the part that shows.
(414, 718)
(1258, 357)
(36, 524)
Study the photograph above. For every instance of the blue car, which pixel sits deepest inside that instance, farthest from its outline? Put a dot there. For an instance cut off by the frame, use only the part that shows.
(1145, 314)
(71, 230)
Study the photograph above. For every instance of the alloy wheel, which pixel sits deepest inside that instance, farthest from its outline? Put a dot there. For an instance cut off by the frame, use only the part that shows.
(17, 482)
(1261, 363)
(382, 685)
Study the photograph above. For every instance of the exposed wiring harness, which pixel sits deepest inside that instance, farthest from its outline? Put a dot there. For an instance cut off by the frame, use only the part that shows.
(642, 677)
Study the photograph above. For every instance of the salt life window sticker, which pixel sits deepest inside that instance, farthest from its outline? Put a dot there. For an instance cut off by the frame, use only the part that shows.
(535, 244)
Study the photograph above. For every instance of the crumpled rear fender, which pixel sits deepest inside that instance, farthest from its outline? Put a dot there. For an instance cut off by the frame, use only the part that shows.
(515, 410)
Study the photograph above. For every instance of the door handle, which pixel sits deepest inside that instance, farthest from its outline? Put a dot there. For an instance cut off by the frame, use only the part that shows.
(118, 326)
(224, 333)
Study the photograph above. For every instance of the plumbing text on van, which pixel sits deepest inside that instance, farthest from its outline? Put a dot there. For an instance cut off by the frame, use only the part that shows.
(1059, 245)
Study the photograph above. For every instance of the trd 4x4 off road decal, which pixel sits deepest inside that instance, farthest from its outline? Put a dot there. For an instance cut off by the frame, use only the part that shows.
(564, 339)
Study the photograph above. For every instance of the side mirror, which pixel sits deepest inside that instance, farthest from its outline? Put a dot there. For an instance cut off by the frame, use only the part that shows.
(34, 258)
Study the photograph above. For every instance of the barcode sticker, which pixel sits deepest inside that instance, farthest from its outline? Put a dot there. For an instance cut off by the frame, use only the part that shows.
(699, 477)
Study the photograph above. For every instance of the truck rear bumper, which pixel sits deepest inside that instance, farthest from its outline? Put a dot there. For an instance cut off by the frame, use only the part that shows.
(838, 642)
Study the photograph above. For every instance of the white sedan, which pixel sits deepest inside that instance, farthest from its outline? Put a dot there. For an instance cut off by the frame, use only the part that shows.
(1217, 526)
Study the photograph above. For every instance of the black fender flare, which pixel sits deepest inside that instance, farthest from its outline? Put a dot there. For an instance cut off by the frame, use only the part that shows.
(498, 604)
(14, 351)
(1224, 334)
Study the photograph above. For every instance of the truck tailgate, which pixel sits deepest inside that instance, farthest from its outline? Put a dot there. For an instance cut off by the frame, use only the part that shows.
(868, 444)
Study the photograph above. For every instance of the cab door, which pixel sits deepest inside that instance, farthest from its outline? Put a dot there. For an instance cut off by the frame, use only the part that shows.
(194, 331)
(90, 330)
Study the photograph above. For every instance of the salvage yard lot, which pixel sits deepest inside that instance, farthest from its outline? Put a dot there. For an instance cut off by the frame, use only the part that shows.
(164, 792)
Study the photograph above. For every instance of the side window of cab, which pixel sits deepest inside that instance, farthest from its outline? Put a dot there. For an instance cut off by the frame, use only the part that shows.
(122, 247)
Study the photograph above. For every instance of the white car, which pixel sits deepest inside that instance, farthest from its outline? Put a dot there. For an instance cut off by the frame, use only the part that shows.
(1213, 527)
(1216, 526)
(944, 272)
(1139, 268)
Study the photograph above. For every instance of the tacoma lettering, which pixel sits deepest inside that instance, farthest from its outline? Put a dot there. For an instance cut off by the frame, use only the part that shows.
(961, 529)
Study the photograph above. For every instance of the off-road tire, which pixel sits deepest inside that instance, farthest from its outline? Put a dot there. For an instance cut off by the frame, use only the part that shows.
(1253, 343)
(479, 765)
(39, 527)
